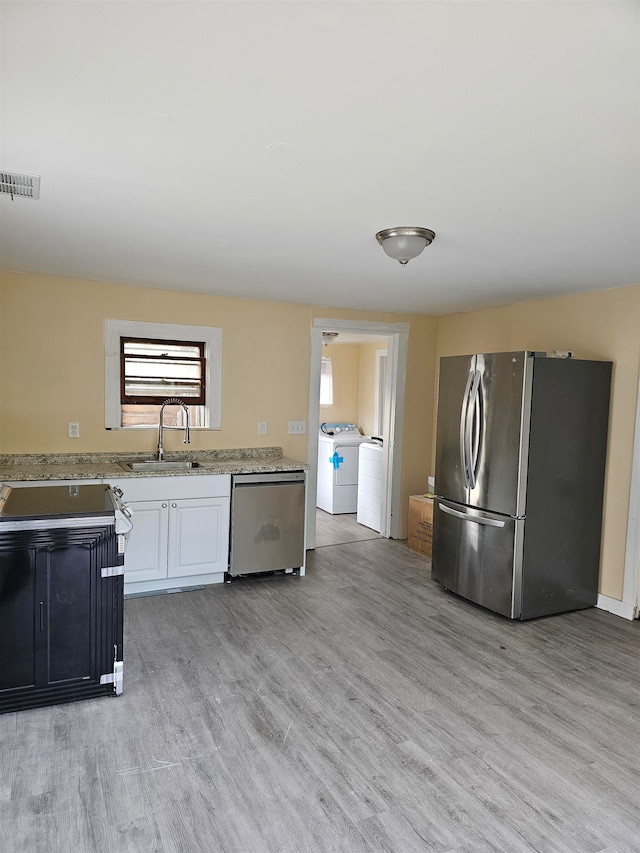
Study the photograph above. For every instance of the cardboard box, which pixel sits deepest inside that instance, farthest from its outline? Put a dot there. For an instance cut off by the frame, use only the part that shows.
(420, 524)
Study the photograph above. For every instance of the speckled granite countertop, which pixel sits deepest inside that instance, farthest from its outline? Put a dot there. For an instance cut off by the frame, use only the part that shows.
(90, 466)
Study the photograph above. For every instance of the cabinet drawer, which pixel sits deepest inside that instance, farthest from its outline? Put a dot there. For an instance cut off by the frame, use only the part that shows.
(165, 488)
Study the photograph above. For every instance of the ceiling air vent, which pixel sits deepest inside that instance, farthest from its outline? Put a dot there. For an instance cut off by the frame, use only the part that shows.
(19, 184)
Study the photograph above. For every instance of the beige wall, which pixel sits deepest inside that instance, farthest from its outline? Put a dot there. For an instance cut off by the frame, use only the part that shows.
(603, 325)
(52, 371)
(367, 386)
(52, 368)
(1, 352)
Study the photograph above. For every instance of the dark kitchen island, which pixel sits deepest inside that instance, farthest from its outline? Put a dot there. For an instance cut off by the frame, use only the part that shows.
(61, 594)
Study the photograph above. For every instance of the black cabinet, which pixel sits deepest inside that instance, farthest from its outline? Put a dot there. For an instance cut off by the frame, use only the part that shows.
(61, 613)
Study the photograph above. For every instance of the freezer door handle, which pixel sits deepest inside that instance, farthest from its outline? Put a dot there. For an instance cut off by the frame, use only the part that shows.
(474, 426)
(476, 519)
(464, 429)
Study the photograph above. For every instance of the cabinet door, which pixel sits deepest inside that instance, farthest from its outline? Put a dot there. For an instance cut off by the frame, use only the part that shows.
(146, 557)
(198, 536)
(48, 605)
(17, 619)
(66, 614)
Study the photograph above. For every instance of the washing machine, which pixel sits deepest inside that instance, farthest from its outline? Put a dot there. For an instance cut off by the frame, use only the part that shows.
(338, 446)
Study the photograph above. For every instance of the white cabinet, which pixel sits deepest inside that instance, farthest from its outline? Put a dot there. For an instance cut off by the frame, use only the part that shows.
(180, 535)
(198, 536)
(146, 554)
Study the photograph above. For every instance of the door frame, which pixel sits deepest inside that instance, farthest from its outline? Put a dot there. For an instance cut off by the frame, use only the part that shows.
(397, 335)
(629, 608)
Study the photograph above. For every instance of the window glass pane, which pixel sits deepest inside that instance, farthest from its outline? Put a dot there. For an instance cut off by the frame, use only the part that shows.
(148, 415)
(161, 388)
(161, 348)
(154, 369)
(326, 382)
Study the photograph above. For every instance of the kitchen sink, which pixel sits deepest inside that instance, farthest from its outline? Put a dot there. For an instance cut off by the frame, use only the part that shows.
(155, 465)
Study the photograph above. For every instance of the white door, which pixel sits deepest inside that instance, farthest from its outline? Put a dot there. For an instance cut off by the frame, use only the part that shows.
(198, 536)
(146, 557)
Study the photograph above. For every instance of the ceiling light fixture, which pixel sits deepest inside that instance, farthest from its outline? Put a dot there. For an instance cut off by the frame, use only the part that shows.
(402, 244)
(329, 337)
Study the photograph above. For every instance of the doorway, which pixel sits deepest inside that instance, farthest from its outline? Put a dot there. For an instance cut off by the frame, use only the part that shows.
(391, 419)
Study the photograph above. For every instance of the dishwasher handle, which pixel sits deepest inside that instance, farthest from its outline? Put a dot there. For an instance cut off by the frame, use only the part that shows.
(275, 479)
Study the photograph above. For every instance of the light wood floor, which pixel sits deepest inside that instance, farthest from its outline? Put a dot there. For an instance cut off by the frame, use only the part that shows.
(359, 708)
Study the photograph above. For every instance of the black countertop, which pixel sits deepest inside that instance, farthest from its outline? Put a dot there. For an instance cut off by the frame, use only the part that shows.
(41, 502)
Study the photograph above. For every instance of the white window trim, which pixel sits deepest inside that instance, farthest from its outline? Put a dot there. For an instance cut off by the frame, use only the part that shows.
(211, 336)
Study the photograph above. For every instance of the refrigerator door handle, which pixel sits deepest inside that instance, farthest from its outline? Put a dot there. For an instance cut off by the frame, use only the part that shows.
(464, 430)
(476, 519)
(473, 430)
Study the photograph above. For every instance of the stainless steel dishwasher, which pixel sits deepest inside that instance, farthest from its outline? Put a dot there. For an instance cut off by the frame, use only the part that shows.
(267, 522)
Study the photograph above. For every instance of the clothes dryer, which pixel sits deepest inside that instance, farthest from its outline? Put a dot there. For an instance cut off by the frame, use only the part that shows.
(370, 485)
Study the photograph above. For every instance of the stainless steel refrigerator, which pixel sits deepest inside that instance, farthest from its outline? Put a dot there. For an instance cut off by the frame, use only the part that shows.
(520, 463)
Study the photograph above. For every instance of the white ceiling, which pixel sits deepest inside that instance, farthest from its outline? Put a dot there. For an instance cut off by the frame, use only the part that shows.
(253, 149)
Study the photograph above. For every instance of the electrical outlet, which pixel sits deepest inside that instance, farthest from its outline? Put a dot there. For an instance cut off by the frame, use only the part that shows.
(297, 427)
(73, 429)
(262, 427)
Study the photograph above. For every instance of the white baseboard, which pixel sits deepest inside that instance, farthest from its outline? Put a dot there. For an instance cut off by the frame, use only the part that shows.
(618, 608)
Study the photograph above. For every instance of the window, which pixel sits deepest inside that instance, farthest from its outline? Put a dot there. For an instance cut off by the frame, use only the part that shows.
(147, 363)
(151, 371)
(380, 404)
(326, 382)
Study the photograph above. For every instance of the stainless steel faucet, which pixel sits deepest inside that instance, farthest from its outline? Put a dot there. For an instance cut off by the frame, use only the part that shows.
(172, 401)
